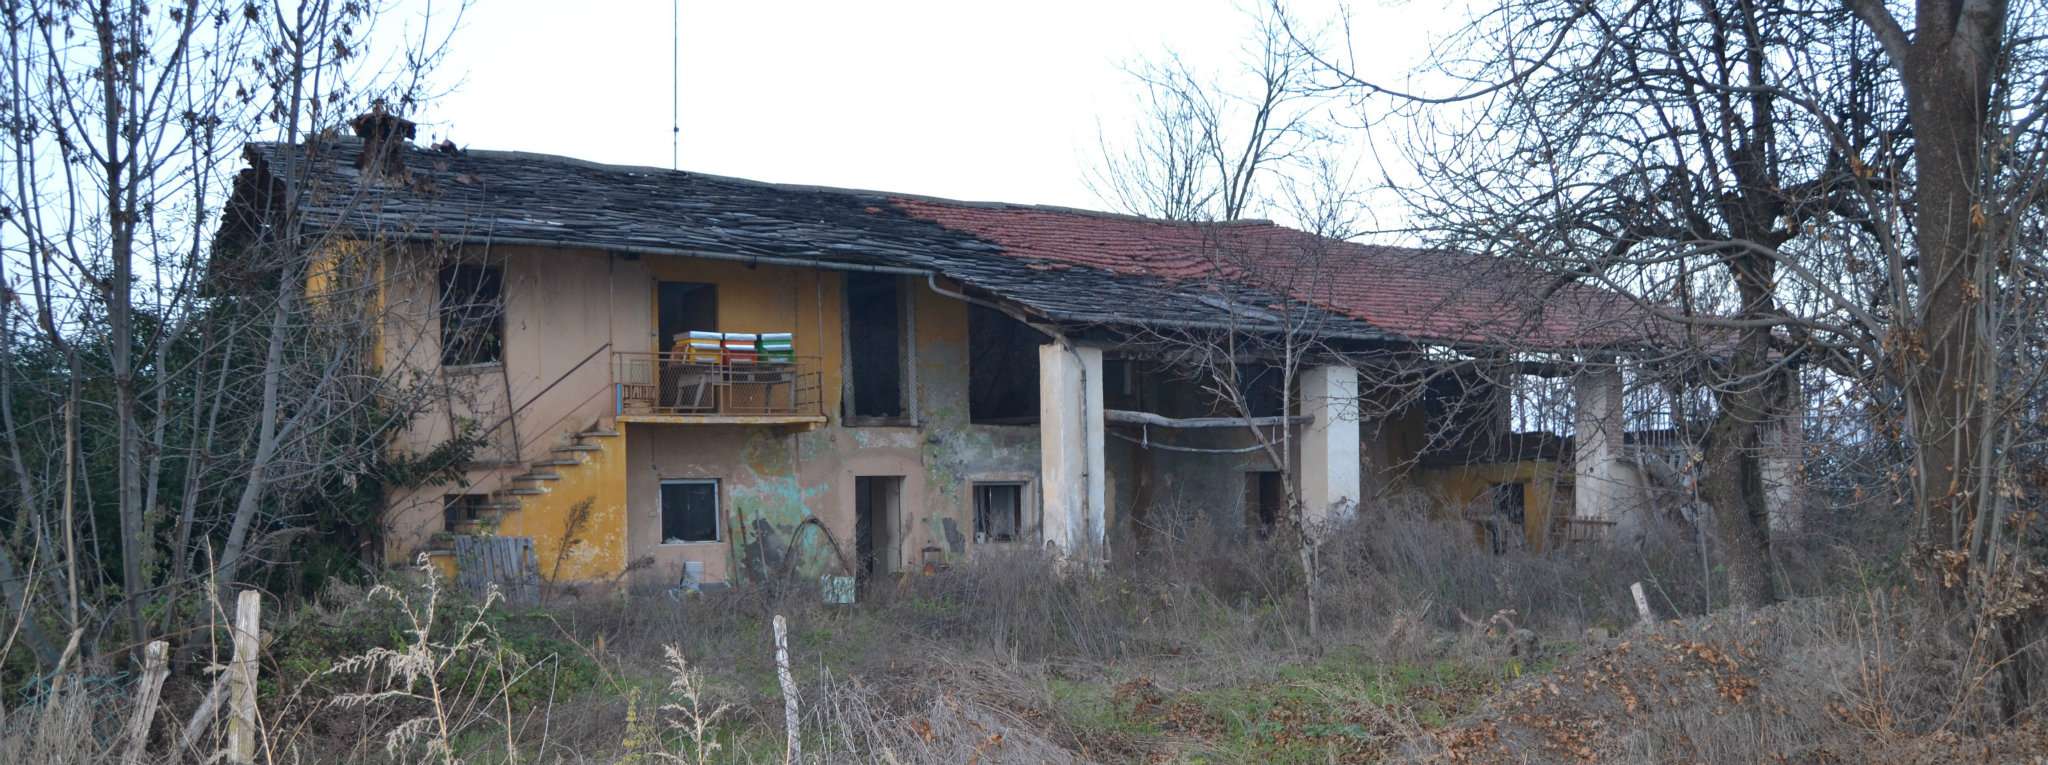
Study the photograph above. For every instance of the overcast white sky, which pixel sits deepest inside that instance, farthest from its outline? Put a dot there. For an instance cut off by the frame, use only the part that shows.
(953, 98)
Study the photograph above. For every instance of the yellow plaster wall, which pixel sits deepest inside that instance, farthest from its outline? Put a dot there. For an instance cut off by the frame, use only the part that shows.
(1460, 486)
(764, 299)
(571, 544)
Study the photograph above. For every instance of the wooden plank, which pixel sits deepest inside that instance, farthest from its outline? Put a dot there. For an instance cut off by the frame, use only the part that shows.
(156, 665)
(242, 680)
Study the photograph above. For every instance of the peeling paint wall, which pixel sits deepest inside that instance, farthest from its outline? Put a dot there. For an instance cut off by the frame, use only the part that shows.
(772, 479)
(786, 492)
(572, 542)
(1155, 490)
(562, 305)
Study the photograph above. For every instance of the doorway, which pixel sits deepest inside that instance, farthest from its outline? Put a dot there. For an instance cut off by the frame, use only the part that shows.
(877, 501)
(1265, 501)
(681, 307)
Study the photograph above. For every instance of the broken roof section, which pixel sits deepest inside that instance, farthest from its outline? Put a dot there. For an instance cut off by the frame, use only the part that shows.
(1071, 267)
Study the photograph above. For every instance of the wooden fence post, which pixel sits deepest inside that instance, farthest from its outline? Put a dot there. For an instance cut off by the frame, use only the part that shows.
(156, 665)
(793, 751)
(242, 678)
(1642, 604)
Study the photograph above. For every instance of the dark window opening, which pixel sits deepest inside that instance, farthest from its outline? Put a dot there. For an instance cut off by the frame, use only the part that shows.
(689, 512)
(874, 328)
(1265, 500)
(1002, 367)
(457, 509)
(472, 314)
(1505, 527)
(683, 307)
(998, 512)
(1120, 384)
(1261, 386)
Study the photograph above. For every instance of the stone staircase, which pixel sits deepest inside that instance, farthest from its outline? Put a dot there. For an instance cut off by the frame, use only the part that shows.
(534, 486)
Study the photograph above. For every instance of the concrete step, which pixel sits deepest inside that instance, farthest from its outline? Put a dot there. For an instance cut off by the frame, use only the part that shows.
(598, 433)
(492, 465)
(579, 448)
(538, 476)
(526, 491)
(567, 462)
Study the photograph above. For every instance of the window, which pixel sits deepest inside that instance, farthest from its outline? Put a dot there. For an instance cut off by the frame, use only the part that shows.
(689, 512)
(472, 314)
(998, 512)
(1002, 367)
(874, 331)
(458, 509)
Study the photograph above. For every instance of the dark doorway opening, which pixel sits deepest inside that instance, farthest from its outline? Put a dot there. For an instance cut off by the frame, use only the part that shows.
(874, 331)
(1002, 368)
(682, 307)
(1265, 500)
(876, 504)
(1506, 528)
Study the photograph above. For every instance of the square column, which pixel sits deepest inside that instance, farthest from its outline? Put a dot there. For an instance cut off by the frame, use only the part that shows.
(1783, 459)
(1598, 487)
(1071, 464)
(1329, 445)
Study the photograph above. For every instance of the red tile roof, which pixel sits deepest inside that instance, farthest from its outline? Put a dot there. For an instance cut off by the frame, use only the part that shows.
(1421, 294)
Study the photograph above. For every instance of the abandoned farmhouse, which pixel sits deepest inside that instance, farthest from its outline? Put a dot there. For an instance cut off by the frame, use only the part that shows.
(674, 377)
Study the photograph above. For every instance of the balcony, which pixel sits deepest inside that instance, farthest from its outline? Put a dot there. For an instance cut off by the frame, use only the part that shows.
(715, 390)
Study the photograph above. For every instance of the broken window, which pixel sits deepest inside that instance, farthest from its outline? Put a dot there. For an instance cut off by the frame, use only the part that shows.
(1265, 497)
(998, 512)
(472, 314)
(689, 512)
(1002, 367)
(874, 329)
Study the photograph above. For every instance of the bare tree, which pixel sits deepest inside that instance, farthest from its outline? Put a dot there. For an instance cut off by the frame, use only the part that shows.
(125, 123)
(1204, 143)
(1792, 185)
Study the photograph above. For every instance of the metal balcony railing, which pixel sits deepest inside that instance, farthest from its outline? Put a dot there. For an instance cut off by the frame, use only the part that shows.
(683, 385)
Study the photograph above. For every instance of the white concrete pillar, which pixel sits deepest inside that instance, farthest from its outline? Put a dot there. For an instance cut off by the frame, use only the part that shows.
(1329, 445)
(1782, 462)
(1599, 486)
(1070, 433)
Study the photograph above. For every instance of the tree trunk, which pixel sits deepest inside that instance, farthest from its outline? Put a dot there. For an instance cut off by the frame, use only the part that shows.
(1947, 114)
(1733, 487)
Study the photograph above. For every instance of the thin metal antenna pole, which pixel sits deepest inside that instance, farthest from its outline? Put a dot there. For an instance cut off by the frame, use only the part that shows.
(675, 95)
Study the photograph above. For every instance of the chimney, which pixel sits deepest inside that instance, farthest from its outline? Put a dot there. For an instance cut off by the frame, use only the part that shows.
(385, 136)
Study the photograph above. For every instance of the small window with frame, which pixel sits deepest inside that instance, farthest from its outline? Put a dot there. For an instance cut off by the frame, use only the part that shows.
(999, 512)
(689, 512)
